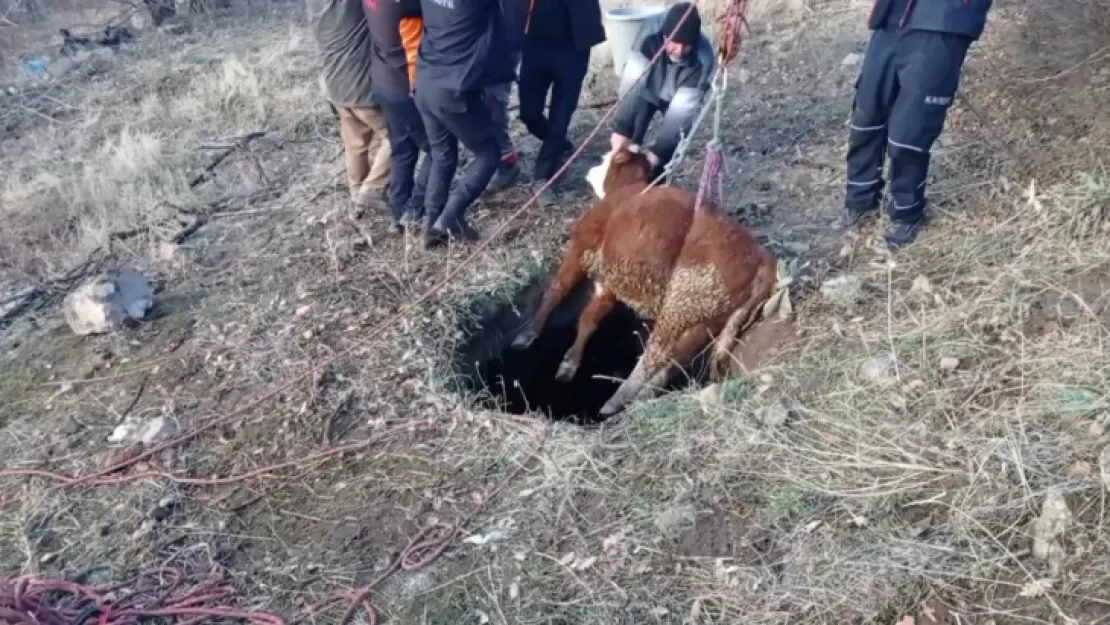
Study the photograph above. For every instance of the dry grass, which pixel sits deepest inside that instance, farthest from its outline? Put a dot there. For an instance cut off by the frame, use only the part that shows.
(910, 491)
(120, 158)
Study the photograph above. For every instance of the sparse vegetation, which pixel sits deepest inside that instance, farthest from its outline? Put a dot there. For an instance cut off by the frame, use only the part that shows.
(926, 426)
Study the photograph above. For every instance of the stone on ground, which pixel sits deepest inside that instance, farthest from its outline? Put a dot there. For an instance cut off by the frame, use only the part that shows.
(109, 302)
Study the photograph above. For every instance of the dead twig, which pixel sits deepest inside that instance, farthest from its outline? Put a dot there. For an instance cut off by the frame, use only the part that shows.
(240, 143)
(329, 423)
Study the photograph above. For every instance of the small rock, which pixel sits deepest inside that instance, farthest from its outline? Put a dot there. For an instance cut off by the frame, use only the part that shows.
(303, 310)
(1080, 469)
(138, 21)
(165, 507)
(160, 514)
(921, 285)
(110, 301)
(846, 291)
(145, 528)
(898, 402)
(1096, 428)
(711, 398)
(774, 415)
(174, 27)
(852, 59)
(676, 520)
(949, 363)
(169, 252)
(415, 586)
(878, 369)
(122, 432)
(1048, 527)
(157, 430)
(744, 76)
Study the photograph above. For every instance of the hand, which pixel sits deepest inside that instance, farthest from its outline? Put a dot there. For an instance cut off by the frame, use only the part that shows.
(653, 158)
(618, 141)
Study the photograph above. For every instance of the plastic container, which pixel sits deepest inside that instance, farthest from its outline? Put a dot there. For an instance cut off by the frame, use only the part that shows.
(621, 27)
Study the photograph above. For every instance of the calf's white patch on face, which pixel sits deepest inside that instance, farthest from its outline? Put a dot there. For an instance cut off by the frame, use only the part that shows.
(596, 175)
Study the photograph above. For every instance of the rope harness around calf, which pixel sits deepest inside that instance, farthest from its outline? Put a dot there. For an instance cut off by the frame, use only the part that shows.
(732, 22)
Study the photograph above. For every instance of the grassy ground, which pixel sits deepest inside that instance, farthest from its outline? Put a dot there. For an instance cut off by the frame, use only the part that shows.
(926, 423)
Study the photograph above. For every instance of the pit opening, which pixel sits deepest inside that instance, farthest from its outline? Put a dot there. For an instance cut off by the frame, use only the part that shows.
(523, 381)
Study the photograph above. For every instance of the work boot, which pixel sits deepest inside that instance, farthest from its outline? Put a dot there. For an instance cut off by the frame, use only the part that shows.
(409, 220)
(505, 177)
(903, 233)
(852, 217)
(372, 199)
(453, 230)
(546, 197)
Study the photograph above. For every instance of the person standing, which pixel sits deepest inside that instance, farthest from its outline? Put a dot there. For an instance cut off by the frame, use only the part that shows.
(343, 37)
(676, 86)
(396, 28)
(555, 56)
(465, 50)
(911, 71)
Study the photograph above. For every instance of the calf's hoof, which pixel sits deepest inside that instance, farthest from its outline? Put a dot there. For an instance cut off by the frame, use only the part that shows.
(525, 338)
(609, 409)
(567, 371)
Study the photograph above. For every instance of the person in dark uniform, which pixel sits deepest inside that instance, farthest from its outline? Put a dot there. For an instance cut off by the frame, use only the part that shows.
(910, 74)
(558, 37)
(392, 75)
(464, 51)
(676, 86)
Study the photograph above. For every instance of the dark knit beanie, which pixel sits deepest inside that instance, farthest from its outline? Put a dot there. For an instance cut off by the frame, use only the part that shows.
(690, 29)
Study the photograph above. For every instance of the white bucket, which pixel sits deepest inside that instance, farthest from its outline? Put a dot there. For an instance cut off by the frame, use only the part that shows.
(621, 27)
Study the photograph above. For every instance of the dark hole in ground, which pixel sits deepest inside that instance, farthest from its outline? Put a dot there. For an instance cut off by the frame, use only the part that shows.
(519, 381)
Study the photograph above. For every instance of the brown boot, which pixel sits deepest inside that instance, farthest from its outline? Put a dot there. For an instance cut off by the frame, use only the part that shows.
(372, 199)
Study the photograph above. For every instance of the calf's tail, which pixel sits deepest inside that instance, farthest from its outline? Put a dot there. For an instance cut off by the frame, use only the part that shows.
(762, 286)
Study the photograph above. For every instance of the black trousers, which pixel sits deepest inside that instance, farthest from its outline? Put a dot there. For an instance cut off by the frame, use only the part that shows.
(558, 69)
(451, 117)
(407, 139)
(905, 88)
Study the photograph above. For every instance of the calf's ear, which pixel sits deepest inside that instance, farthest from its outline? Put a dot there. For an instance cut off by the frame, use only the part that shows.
(621, 157)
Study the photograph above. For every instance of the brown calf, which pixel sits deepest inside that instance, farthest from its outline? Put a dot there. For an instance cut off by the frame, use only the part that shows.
(698, 274)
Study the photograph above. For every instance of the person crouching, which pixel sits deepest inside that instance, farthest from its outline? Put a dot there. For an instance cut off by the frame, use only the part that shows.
(677, 85)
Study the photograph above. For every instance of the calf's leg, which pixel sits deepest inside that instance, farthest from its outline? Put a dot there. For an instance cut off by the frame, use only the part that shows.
(600, 304)
(693, 341)
(666, 344)
(570, 274)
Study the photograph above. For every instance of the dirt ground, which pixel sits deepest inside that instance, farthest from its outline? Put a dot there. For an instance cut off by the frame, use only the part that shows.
(885, 458)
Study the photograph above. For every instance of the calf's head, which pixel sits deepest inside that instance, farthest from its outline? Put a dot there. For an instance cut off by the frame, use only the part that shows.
(618, 169)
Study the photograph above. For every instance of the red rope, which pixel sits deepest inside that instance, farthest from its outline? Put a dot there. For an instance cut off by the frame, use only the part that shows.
(28, 600)
(710, 173)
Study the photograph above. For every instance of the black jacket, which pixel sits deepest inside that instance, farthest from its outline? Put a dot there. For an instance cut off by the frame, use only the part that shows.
(466, 45)
(966, 18)
(388, 66)
(557, 21)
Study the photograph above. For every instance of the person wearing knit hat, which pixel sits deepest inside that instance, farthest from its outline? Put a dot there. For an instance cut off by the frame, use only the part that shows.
(676, 85)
